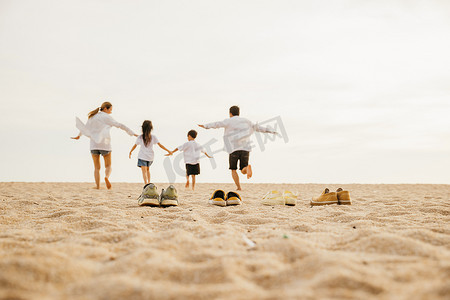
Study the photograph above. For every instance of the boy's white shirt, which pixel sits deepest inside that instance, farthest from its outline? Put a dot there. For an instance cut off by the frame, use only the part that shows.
(237, 132)
(146, 152)
(191, 151)
(98, 129)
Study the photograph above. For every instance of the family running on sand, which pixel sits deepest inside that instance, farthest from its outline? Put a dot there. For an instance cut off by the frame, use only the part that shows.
(236, 139)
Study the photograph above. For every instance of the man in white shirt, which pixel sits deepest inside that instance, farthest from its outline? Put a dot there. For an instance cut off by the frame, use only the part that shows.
(237, 141)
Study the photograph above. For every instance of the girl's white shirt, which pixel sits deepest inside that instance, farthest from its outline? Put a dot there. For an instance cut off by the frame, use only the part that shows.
(146, 152)
(98, 129)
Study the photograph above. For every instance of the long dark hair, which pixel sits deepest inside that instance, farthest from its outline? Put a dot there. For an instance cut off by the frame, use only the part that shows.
(106, 105)
(147, 128)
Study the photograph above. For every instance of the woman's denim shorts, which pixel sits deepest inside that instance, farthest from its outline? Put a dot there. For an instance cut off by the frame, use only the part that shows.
(144, 163)
(102, 152)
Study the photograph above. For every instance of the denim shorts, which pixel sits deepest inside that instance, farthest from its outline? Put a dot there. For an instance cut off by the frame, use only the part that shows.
(102, 152)
(144, 163)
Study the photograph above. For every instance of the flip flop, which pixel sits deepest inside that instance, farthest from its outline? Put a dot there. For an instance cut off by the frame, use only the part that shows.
(233, 199)
(218, 198)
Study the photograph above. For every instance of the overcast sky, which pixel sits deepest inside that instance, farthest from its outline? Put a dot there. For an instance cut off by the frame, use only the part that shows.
(361, 87)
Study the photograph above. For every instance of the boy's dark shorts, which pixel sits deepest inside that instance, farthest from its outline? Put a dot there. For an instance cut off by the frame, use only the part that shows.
(240, 155)
(192, 169)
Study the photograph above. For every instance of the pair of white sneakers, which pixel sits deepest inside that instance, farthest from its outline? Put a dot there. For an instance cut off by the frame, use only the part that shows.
(280, 198)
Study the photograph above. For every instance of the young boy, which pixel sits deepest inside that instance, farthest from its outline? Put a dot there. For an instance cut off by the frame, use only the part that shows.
(237, 141)
(191, 151)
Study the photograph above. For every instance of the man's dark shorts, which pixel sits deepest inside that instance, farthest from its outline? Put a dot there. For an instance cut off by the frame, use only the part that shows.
(241, 156)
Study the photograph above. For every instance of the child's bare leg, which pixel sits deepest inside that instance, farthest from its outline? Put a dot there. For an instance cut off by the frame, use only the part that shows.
(247, 170)
(148, 174)
(235, 176)
(96, 160)
(193, 182)
(144, 174)
(108, 170)
(187, 181)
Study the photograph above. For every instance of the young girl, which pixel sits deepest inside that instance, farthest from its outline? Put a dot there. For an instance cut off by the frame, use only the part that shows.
(146, 154)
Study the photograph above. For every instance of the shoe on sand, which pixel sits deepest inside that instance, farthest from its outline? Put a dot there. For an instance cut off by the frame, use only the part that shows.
(149, 196)
(169, 197)
(325, 198)
(273, 198)
(218, 198)
(290, 198)
(233, 199)
(343, 197)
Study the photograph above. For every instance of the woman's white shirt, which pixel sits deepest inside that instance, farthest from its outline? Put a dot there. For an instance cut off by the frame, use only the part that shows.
(98, 129)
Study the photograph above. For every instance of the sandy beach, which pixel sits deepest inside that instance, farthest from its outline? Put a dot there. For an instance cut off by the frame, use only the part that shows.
(68, 241)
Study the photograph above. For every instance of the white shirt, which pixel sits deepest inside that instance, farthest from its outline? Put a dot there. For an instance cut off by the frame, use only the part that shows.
(191, 151)
(146, 152)
(97, 129)
(237, 132)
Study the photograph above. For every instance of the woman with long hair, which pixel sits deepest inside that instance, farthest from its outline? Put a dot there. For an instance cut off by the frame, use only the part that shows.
(97, 129)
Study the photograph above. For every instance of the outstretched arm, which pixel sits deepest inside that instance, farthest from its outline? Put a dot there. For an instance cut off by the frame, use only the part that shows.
(77, 137)
(132, 149)
(260, 128)
(168, 151)
(207, 155)
(111, 122)
(171, 152)
(220, 124)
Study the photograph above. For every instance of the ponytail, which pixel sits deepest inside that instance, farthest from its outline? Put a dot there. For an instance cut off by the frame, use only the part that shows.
(106, 105)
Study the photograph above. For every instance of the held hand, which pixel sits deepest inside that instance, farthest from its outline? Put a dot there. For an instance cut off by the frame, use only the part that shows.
(135, 134)
(75, 138)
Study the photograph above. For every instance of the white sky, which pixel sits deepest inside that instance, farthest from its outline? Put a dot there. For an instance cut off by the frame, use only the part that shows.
(362, 87)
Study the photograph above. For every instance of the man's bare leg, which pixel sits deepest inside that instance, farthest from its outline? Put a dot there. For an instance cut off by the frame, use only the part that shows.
(96, 160)
(187, 182)
(193, 182)
(235, 176)
(248, 170)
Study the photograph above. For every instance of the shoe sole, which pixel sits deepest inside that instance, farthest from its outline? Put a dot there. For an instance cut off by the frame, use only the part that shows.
(169, 202)
(313, 203)
(273, 202)
(218, 202)
(149, 202)
(291, 202)
(233, 202)
(345, 202)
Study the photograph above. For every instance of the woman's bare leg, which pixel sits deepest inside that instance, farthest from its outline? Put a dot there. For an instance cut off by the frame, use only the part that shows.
(108, 170)
(193, 182)
(96, 160)
(187, 181)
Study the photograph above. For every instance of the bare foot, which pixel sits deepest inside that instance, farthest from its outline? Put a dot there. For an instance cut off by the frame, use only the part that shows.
(249, 172)
(238, 189)
(187, 185)
(96, 188)
(108, 184)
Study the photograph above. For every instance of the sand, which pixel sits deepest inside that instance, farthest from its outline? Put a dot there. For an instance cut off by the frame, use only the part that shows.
(68, 241)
